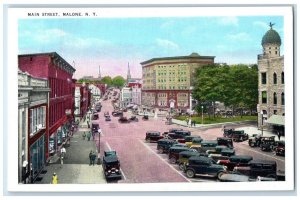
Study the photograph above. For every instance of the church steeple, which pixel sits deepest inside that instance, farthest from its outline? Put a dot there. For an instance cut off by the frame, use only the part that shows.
(99, 75)
(128, 73)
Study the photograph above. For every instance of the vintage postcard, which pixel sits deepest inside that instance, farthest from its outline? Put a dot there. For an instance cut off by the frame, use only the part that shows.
(150, 98)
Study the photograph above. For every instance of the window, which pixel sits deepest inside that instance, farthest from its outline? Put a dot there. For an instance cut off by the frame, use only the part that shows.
(263, 97)
(264, 78)
(282, 98)
(275, 112)
(282, 77)
(274, 78)
(275, 98)
(37, 119)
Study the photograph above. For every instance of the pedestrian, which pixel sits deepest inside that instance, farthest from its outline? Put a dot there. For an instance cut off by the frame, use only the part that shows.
(61, 161)
(190, 122)
(187, 121)
(278, 134)
(63, 152)
(83, 136)
(93, 158)
(54, 178)
(88, 123)
(193, 123)
(88, 135)
(90, 157)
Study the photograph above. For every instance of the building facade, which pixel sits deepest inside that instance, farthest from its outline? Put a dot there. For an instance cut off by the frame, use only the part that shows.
(126, 96)
(167, 82)
(58, 73)
(95, 93)
(33, 125)
(271, 109)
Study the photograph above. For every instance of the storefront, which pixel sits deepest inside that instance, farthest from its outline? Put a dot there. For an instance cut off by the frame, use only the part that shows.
(37, 156)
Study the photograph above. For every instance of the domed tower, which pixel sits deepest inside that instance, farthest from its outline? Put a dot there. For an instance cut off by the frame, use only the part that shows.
(271, 102)
(271, 42)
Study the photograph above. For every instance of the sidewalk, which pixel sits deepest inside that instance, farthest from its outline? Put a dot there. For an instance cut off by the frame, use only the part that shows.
(76, 168)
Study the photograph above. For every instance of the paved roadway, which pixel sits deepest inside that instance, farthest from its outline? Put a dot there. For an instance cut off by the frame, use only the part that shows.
(140, 163)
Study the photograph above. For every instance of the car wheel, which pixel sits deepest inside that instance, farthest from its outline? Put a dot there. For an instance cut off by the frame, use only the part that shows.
(148, 140)
(219, 175)
(263, 148)
(251, 144)
(181, 166)
(190, 173)
(160, 150)
(235, 140)
(173, 160)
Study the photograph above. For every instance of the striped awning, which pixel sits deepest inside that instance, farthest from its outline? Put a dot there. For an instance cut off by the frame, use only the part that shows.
(276, 119)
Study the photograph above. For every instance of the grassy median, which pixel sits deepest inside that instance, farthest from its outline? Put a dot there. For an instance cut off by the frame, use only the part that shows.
(212, 120)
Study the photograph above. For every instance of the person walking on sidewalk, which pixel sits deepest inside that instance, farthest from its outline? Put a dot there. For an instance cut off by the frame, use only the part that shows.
(54, 178)
(90, 156)
(88, 135)
(278, 134)
(63, 152)
(83, 136)
(93, 158)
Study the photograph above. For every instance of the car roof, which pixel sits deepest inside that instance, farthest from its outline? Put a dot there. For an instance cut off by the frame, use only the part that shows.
(200, 158)
(209, 141)
(271, 162)
(152, 132)
(165, 140)
(242, 157)
(111, 158)
(193, 153)
(179, 147)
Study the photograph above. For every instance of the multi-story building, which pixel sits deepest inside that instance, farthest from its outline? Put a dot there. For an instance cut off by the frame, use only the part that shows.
(95, 93)
(82, 100)
(126, 96)
(33, 95)
(271, 82)
(58, 72)
(168, 81)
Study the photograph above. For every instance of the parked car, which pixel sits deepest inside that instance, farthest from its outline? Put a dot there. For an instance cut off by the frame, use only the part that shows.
(174, 153)
(95, 127)
(257, 140)
(95, 117)
(163, 145)
(280, 148)
(123, 120)
(201, 165)
(205, 145)
(153, 136)
(268, 144)
(106, 114)
(195, 141)
(189, 139)
(184, 157)
(117, 113)
(236, 135)
(223, 141)
(173, 130)
(133, 119)
(145, 117)
(235, 161)
(174, 136)
(262, 168)
(222, 150)
(107, 118)
(111, 165)
(182, 132)
(216, 157)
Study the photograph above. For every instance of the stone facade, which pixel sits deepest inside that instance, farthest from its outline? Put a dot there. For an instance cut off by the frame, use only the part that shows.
(271, 80)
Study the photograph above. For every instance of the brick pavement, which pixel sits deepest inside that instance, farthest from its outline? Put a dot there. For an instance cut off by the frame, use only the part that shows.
(76, 168)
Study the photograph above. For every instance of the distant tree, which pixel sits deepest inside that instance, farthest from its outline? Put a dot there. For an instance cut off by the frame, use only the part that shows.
(118, 81)
(107, 80)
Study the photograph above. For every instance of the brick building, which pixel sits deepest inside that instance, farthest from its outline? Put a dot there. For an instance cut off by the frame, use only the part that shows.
(58, 73)
(167, 82)
(271, 108)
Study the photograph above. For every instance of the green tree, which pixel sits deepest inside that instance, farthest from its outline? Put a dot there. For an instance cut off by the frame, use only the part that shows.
(118, 81)
(107, 80)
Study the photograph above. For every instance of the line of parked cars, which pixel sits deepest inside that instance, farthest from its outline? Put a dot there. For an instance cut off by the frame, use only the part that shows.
(215, 158)
(267, 144)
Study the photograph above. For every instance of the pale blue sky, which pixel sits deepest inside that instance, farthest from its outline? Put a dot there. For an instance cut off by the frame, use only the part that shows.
(113, 42)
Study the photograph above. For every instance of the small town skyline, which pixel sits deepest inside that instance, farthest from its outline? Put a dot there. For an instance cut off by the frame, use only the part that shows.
(112, 43)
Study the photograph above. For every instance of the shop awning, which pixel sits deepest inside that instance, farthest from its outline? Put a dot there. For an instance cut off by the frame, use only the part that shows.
(276, 119)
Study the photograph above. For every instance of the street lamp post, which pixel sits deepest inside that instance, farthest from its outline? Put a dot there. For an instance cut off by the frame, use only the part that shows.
(99, 159)
(262, 123)
(202, 114)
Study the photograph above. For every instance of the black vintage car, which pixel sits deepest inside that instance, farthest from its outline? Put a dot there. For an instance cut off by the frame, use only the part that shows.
(133, 119)
(124, 120)
(262, 168)
(153, 136)
(145, 117)
(223, 141)
(117, 113)
(235, 161)
(280, 148)
(107, 118)
(268, 144)
(184, 157)
(95, 127)
(163, 145)
(258, 139)
(111, 165)
(95, 117)
(174, 153)
(201, 165)
(236, 135)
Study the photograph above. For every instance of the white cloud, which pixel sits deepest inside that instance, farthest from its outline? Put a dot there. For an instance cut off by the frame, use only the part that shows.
(230, 20)
(261, 24)
(166, 44)
(239, 37)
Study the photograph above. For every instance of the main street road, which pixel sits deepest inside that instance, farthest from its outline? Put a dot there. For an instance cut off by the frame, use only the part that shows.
(140, 163)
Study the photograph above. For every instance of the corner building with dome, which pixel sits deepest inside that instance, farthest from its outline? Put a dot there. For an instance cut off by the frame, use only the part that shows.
(271, 100)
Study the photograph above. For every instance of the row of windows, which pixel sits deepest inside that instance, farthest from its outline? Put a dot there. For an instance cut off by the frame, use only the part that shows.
(59, 87)
(57, 111)
(37, 119)
(264, 97)
(264, 78)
